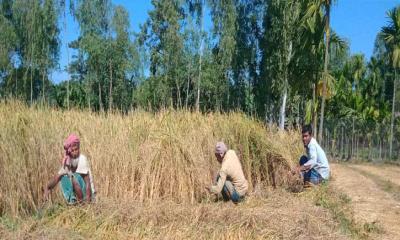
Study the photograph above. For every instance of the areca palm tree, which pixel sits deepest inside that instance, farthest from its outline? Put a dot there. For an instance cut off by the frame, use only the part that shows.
(358, 69)
(321, 42)
(314, 9)
(391, 34)
(375, 80)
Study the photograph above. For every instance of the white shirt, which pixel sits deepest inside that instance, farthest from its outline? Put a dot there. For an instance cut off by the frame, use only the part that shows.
(317, 159)
(82, 166)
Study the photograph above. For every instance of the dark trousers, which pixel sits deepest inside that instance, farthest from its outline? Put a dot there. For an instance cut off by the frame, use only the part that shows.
(311, 175)
(229, 192)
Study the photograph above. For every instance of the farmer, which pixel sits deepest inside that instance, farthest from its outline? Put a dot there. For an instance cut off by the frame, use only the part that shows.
(231, 182)
(75, 175)
(314, 167)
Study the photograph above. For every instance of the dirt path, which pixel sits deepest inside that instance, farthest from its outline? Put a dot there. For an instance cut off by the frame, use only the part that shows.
(371, 204)
(386, 172)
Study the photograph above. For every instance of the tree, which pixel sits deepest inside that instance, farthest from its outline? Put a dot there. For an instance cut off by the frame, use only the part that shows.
(162, 36)
(29, 44)
(278, 53)
(196, 10)
(246, 59)
(224, 15)
(124, 59)
(391, 34)
(313, 11)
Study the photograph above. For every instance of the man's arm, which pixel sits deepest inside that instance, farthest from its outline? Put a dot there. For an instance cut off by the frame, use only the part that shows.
(220, 183)
(52, 183)
(86, 178)
(312, 161)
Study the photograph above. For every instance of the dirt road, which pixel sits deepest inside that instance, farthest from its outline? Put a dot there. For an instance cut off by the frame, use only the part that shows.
(386, 172)
(371, 203)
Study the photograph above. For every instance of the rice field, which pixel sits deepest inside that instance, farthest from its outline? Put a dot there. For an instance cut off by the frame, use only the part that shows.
(139, 156)
(150, 172)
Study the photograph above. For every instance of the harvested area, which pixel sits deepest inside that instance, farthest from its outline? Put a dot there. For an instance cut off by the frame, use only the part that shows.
(373, 207)
(386, 172)
(278, 215)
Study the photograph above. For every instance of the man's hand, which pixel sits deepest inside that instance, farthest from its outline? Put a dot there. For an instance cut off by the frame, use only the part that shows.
(304, 168)
(295, 170)
(208, 189)
(299, 169)
(46, 194)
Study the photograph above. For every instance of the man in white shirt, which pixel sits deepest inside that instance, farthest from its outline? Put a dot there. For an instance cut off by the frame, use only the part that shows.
(315, 166)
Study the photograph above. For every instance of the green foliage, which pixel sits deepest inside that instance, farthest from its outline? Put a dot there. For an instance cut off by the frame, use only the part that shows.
(29, 42)
(263, 57)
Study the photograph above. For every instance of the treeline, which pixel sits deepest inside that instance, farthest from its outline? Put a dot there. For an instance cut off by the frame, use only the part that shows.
(274, 59)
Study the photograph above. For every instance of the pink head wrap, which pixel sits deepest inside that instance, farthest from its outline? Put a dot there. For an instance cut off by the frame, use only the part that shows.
(68, 143)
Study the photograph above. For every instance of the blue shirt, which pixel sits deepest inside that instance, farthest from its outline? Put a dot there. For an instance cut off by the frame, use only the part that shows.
(317, 159)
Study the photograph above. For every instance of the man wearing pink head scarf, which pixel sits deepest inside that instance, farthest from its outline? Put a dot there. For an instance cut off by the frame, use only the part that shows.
(75, 174)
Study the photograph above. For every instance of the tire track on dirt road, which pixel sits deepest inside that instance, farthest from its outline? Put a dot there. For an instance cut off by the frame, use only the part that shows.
(371, 205)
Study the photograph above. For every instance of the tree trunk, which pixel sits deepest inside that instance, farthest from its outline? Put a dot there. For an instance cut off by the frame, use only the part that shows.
(100, 100)
(357, 144)
(200, 58)
(384, 151)
(68, 93)
(66, 47)
(326, 145)
(228, 91)
(31, 63)
(352, 140)
(348, 148)
(31, 84)
(110, 97)
(25, 81)
(282, 110)
(369, 148)
(339, 142)
(332, 143)
(282, 113)
(88, 90)
(314, 112)
(43, 82)
(178, 94)
(393, 113)
(324, 79)
(364, 144)
(16, 82)
(32, 49)
(297, 115)
(187, 87)
(89, 104)
(343, 147)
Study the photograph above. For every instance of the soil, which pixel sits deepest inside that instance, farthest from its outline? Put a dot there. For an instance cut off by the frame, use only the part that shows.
(372, 205)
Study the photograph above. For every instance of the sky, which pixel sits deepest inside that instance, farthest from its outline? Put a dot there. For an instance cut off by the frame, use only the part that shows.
(358, 21)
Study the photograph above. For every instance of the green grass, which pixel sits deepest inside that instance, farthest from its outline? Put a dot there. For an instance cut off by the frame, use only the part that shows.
(9, 223)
